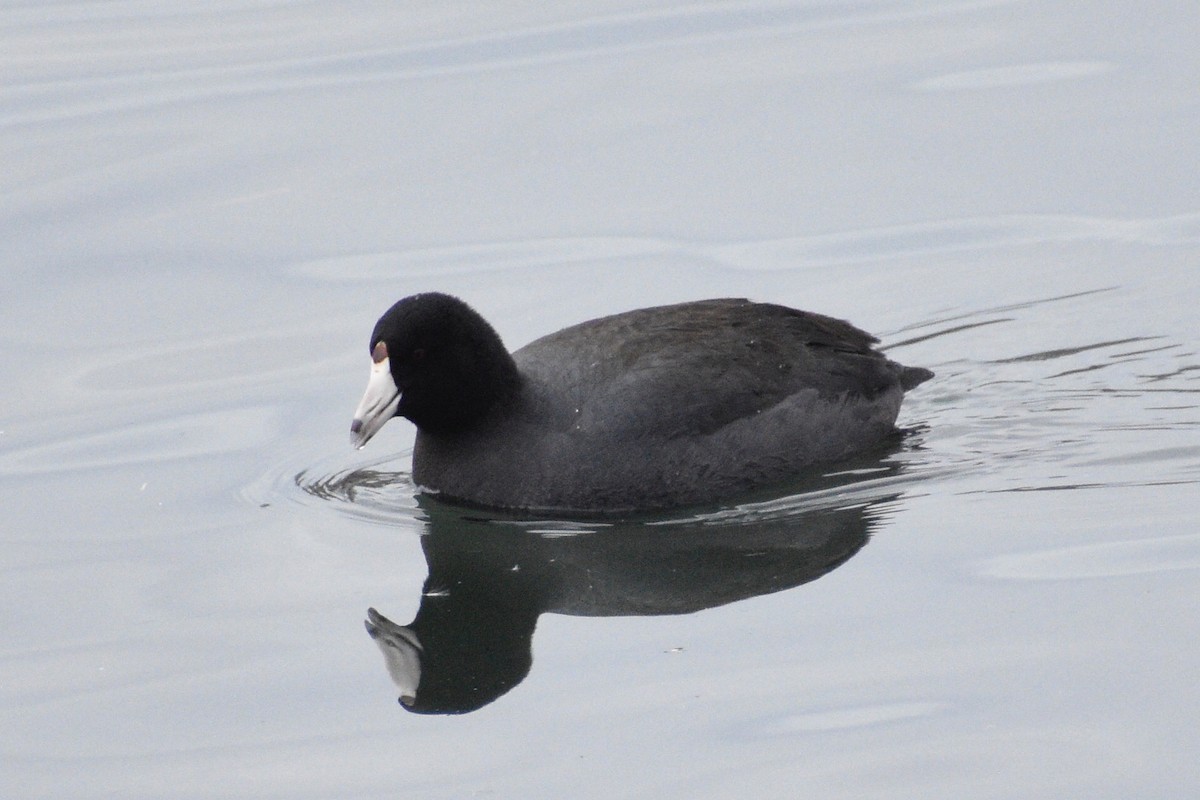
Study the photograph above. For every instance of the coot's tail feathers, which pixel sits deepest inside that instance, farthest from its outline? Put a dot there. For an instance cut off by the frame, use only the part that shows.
(913, 376)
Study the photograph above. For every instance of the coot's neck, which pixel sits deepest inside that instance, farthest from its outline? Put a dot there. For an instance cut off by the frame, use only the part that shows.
(488, 383)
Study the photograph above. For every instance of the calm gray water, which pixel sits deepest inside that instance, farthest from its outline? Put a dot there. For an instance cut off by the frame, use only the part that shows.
(205, 207)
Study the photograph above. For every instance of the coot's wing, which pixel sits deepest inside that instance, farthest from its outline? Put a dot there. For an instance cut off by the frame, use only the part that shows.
(693, 368)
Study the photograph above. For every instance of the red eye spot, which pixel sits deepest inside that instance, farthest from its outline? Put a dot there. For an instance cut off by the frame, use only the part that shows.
(418, 355)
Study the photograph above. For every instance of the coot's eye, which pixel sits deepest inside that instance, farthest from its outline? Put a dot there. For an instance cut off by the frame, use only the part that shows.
(418, 355)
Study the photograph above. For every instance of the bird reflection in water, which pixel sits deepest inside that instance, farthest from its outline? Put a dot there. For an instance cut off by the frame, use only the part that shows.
(491, 578)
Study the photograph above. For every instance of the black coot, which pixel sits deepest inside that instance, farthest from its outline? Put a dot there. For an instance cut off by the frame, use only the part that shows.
(650, 409)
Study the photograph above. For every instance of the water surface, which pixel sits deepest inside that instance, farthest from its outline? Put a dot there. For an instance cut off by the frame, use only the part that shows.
(206, 206)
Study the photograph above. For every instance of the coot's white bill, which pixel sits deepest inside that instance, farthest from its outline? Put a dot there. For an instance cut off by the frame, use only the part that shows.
(379, 402)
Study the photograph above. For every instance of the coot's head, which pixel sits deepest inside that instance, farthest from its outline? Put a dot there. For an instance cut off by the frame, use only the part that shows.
(436, 362)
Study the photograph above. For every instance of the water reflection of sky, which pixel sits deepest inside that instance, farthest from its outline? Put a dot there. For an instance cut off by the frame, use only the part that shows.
(205, 209)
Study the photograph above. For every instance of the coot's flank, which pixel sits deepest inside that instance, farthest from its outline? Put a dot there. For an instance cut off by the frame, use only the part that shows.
(655, 408)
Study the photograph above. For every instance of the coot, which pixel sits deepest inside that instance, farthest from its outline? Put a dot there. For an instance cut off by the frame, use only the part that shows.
(650, 409)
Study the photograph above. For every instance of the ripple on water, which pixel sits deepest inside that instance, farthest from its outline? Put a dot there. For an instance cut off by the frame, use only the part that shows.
(205, 364)
(382, 491)
(309, 64)
(441, 262)
(379, 491)
(1105, 560)
(846, 718)
(954, 235)
(1017, 75)
(943, 236)
(187, 436)
(1067, 407)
